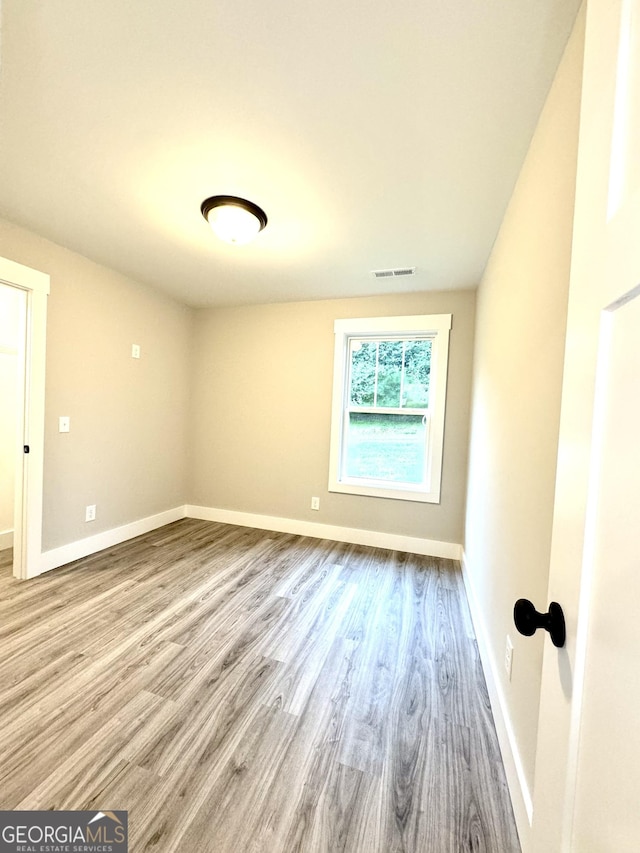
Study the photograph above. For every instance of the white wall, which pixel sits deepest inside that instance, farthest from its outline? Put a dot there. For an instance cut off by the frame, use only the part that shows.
(10, 299)
(518, 365)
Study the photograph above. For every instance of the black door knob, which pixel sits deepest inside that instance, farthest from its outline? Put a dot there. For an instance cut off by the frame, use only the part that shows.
(528, 620)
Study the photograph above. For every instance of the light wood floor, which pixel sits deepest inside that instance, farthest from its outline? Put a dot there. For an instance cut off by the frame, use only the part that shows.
(237, 690)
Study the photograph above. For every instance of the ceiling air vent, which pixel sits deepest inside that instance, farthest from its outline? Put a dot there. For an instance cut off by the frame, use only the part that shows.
(393, 273)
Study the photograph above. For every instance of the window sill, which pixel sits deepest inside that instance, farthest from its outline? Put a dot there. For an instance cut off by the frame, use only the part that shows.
(404, 493)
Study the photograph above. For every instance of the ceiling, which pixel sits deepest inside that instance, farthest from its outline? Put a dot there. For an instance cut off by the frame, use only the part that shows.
(375, 134)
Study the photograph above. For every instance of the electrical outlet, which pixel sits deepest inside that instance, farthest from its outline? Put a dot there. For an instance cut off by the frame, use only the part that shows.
(90, 513)
(315, 503)
(508, 657)
(135, 350)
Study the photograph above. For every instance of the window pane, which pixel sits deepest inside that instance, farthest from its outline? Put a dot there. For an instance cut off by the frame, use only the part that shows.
(417, 368)
(363, 373)
(389, 374)
(386, 447)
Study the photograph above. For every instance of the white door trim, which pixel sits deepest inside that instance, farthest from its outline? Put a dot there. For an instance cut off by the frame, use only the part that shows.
(27, 542)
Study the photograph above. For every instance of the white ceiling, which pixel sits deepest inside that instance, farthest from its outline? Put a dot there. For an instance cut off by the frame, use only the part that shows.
(374, 134)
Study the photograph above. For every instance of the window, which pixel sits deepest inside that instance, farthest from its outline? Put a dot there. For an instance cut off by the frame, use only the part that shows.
(389, 389)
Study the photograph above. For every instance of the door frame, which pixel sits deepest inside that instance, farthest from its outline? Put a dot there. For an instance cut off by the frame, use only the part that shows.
(28, 502)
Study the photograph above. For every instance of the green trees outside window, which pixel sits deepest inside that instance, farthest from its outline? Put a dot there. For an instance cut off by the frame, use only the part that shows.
(388, 377)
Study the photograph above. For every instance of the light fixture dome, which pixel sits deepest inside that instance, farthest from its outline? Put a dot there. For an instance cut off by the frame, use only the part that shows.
(234, 220)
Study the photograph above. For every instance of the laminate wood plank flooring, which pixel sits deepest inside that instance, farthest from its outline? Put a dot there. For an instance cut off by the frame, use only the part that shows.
(240, 690)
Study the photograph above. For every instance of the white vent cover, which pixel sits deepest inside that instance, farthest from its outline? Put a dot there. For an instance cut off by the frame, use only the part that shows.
(393, 273)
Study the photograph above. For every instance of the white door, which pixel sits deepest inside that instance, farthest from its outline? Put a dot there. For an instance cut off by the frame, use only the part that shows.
(587, 784)
(12, 345)
(28, 486)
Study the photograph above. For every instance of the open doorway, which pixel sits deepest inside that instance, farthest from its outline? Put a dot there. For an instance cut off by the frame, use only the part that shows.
(12, 345)
(23, 317)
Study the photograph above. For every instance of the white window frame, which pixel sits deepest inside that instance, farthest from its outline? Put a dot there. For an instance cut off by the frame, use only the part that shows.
(434, 327)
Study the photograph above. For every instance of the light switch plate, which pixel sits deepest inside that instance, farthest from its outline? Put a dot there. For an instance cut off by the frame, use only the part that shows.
(64, 424)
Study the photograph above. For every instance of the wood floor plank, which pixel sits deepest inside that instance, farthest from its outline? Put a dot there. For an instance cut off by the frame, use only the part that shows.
(249, 771)
(331, 814)
(79, 771)
(38, 739)
(210, 716)
(244, 690)
(299, 676)
(378, 659)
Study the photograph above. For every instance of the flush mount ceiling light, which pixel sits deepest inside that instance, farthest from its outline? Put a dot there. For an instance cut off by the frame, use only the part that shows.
(234, 220)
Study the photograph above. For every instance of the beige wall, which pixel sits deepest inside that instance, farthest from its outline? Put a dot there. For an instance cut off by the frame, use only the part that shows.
(518, 363)
(236, 416)
(262, 412)
(126, 451)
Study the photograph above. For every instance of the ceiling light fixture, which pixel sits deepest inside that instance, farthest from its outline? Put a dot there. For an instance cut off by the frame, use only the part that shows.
(234, 220)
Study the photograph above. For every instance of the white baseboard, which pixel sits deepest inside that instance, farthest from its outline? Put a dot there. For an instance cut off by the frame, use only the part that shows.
(6, 540)
(353, 535)
(92, 544)
(518, 788)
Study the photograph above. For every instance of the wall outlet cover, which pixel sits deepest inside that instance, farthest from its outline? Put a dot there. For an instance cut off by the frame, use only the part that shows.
(508, 657)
